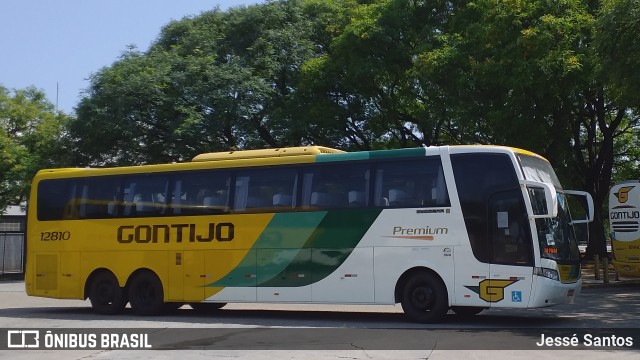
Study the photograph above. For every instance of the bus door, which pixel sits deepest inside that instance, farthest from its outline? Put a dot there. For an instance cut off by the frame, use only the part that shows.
(190, 268)
(511, 251)
(499, 270)
(188, 277)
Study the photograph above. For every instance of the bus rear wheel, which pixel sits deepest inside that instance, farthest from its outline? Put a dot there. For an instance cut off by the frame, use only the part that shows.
(146, 295)
(106, 295)
(424, 299)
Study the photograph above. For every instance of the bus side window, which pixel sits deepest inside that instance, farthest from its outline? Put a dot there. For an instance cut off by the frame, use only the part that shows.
(266, 190)
(145, 196)
(98, 198)
(336, 186)
(178, 198)
(201, 193)
(56, 199)
(128, 204)
(411, 183)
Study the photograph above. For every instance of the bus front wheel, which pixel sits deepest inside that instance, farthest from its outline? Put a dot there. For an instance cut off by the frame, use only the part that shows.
(146, 295)
(106, 295)
(424, 298)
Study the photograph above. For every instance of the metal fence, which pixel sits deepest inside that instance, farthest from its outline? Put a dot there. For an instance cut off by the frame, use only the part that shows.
(12, 245)
(11, 253)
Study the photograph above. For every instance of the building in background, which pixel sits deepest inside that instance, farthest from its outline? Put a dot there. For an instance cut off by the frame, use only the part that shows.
(12, 230)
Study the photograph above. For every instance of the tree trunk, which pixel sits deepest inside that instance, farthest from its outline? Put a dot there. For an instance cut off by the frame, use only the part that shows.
(597, 239)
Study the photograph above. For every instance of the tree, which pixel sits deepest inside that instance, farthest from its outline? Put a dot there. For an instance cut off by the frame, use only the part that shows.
(546, 75)
(367, 82)
(129, 116)
(502, 72)
(617, 49)
(31, 138)
(555, 77)
(618, 67)
(606, 128)
(218, 81)
(533, 61)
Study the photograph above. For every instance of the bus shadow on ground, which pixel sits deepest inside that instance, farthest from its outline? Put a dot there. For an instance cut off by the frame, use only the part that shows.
(186, 317)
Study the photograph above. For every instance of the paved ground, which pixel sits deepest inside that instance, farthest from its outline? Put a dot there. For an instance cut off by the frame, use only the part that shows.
(246, 323)
(589, 277)
(16, 310)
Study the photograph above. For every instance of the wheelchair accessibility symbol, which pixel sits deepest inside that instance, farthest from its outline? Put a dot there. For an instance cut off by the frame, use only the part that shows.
(516, 296)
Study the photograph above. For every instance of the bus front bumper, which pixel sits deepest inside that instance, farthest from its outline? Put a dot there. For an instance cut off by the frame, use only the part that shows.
(552, 292)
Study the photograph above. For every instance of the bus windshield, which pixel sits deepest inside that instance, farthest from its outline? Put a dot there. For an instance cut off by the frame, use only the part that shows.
(538, 169)
(556, 236)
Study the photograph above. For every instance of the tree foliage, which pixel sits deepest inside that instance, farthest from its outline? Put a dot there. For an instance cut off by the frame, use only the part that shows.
(31, 138)
(219, 81)
(617, 49)
(558, 77)
(368, 81)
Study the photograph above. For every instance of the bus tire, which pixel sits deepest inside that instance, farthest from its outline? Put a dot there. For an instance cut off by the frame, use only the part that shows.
(424, 298)
(206, 307)
(467, 311)
(146, 294)
(106, 295)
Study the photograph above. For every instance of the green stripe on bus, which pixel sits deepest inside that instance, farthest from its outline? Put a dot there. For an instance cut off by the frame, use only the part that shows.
(283, 242)
(275, 249)
(342, 157)
(327, 248)
(398, 153)
(371, 155)
(297, 249)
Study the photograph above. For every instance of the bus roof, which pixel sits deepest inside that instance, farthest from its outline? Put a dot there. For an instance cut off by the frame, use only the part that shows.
(279, 156)
(511, 149)
(266, 153)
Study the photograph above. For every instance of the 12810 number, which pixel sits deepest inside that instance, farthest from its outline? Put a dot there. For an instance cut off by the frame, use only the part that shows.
(55, 235)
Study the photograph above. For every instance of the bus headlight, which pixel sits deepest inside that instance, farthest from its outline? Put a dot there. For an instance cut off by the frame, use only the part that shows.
(548, 273)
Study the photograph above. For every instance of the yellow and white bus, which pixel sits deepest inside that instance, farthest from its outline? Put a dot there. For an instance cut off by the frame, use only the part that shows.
(464, 228)
(624, 222)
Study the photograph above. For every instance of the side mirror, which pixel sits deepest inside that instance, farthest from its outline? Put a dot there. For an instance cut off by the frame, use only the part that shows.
(589, 209)
(543, 201)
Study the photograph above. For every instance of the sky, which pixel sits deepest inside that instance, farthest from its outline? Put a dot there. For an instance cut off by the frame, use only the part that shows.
(55, 45)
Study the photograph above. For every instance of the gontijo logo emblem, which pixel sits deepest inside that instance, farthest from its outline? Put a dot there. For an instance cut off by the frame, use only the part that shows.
(623, 194)
(492, 290)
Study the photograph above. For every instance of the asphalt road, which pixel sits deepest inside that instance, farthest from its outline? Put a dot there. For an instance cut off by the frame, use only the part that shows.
(289, 331)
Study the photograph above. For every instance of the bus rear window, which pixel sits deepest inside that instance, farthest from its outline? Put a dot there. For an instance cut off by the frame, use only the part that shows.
(55, 198)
